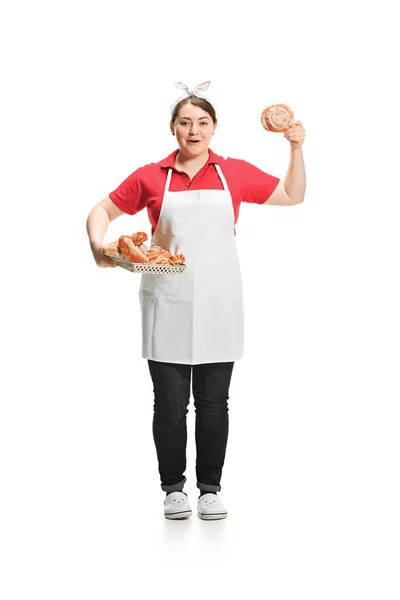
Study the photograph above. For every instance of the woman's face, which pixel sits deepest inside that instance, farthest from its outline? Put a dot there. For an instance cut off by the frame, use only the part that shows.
(193, 129)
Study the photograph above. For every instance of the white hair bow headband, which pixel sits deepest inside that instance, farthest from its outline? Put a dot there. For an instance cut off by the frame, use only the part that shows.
(198, 91)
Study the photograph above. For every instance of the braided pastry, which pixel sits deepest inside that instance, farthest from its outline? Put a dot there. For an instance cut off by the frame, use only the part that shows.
(158, 250)
(161, 260)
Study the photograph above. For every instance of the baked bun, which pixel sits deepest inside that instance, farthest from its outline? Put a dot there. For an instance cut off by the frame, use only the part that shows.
(159, 250)
(156, 252)
(277, 117)
(130, 251)
(162, 260)
(177, 259)
(139, 237)
(113, 250)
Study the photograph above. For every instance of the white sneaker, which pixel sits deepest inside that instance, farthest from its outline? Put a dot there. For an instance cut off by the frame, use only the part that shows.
(176, 506)
(210, 507)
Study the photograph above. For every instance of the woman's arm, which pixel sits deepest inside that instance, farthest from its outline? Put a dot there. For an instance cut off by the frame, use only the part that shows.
(96, 226)
(292, 189)
(295, 180)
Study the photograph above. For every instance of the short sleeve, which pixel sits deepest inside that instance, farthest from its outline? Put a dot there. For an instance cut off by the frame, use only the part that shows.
(256, 185)
(128, 195)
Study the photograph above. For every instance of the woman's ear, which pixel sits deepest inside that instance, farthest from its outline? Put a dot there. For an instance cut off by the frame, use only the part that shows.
(171, 126)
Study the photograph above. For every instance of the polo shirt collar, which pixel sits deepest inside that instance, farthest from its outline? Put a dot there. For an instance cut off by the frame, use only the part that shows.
(169, 161)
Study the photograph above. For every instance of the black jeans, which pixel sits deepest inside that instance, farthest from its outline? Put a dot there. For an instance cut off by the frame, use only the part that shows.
(171, 398)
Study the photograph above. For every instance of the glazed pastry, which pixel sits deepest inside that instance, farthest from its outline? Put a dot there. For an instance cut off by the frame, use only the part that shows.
(162, 260)
(277, 117)
(113, 250)
(139, 237)
(130, 251)
(177, 259)
(159, 250)
(152, 254)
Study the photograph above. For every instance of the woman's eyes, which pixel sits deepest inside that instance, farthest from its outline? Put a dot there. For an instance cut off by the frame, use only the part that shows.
(186, 123)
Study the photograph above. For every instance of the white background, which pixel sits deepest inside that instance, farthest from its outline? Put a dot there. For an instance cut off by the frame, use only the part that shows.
(311, 478)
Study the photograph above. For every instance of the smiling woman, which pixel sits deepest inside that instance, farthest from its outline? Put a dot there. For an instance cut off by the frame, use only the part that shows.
(193, 122)
(193, 323)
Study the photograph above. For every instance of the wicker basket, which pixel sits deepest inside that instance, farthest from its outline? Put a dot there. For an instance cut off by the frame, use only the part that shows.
(147, 267)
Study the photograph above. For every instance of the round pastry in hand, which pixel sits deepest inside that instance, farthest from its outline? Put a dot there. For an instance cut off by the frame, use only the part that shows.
(139, 237)
(277, 117)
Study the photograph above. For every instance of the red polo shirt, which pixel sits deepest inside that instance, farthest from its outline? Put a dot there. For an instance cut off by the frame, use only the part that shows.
(145, 186)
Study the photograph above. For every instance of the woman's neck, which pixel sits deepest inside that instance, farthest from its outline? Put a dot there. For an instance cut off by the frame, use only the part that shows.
(191, 162)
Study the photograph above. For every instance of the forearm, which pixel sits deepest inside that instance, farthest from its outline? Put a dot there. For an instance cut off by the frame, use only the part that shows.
(295, 180)
(96, 225)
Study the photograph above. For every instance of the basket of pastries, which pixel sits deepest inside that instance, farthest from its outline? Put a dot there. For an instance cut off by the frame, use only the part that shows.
(130, 252)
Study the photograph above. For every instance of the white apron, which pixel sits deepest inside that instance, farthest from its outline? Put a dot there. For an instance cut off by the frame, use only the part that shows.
(196, 317)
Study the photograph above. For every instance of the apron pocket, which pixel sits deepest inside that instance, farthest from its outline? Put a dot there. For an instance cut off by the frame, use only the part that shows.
(162, 283)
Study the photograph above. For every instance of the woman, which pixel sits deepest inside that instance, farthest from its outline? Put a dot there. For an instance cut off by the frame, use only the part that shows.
(193, 323)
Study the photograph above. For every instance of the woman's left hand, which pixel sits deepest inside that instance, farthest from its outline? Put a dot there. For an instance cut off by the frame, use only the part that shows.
(295, 134)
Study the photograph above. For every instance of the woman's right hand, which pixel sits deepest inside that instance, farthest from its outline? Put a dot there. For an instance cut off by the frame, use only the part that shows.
(98, 254)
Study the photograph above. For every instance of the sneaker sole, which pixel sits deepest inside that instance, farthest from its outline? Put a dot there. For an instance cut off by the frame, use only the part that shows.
(211, 517)
(179, 515)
